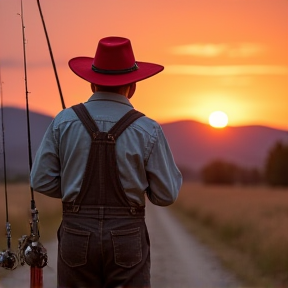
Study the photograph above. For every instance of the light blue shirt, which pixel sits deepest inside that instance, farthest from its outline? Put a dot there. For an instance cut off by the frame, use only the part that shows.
(144, 159)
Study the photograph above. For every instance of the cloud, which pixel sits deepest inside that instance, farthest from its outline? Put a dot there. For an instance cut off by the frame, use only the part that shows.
(241, 50)
(202, 50)
(244, 50)
(231, 70)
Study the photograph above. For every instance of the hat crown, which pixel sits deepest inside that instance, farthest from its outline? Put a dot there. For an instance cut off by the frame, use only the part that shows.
(114, 53)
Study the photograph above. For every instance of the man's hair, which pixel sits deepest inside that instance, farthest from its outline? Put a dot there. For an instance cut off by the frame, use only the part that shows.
(113, 89)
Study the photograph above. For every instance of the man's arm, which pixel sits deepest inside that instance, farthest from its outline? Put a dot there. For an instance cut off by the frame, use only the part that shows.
(162, 173)
(45, 173)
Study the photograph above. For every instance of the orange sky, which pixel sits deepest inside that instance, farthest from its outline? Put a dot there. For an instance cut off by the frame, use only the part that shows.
(228, 55)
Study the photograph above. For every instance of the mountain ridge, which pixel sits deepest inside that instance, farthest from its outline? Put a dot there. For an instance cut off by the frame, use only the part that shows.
(243, 145)
(194, 144)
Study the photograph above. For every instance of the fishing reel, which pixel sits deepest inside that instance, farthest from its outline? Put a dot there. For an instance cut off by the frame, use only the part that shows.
(8, 260)
(32, 252)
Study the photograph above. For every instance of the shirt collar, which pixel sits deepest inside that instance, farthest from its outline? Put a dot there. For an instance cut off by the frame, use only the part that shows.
(108, 96)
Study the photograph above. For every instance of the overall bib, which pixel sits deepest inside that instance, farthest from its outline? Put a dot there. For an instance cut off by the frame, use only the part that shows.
(103, 239)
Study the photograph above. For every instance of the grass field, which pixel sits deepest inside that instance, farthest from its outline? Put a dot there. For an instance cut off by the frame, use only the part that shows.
(246, 226)
(19, 215)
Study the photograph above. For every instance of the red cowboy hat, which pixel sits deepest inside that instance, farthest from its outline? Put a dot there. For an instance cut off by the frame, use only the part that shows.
(113, 65)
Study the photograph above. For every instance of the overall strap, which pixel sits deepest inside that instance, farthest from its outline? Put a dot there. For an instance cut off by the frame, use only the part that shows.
(83, 114)
(124, 122)
(101, 173)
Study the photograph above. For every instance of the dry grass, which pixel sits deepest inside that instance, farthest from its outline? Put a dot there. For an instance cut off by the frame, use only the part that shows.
(246, 225)
(20, 215)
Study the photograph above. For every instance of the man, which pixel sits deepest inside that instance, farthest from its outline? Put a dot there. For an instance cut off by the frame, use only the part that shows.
(101, 158)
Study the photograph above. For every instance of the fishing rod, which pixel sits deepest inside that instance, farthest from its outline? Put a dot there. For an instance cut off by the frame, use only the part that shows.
(8, 259)
(31, 251)
(51, 55)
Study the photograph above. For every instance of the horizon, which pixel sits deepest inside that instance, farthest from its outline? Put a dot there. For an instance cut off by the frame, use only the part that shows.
(163, 123)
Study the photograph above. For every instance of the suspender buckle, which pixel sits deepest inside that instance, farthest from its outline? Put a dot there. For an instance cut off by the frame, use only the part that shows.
(70, 207)
(111, 137)
(94, 135)
(75, 208)
(133, 211)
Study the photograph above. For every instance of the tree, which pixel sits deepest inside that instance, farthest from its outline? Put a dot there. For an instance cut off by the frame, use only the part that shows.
(248, 176)
(219, 172)
(276, 168)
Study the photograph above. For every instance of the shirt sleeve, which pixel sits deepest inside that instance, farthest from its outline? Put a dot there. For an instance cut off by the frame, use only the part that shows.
(163, 176)
(45, 172)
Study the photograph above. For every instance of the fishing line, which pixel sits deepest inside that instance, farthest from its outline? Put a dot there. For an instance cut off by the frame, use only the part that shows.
(8, 259)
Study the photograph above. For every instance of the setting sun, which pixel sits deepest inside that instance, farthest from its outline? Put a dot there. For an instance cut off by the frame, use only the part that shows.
(218, 119)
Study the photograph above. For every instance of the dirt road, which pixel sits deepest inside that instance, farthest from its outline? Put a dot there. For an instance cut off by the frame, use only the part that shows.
(178, 260)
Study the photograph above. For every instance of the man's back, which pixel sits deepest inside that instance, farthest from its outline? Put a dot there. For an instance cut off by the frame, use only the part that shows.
(139, 151)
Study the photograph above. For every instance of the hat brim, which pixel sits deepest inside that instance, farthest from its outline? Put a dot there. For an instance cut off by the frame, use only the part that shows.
(82, 67)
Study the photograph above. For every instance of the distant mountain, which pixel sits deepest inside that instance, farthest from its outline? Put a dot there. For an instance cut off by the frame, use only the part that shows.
(193, 144)
(16, 139)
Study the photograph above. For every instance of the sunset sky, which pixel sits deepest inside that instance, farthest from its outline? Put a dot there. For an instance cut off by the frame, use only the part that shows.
(229, 55)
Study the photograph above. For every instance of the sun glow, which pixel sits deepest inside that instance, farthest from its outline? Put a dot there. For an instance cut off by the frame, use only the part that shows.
(218, 119)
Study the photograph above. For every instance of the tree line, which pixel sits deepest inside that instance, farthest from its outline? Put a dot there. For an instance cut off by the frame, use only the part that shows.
(274, 172)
